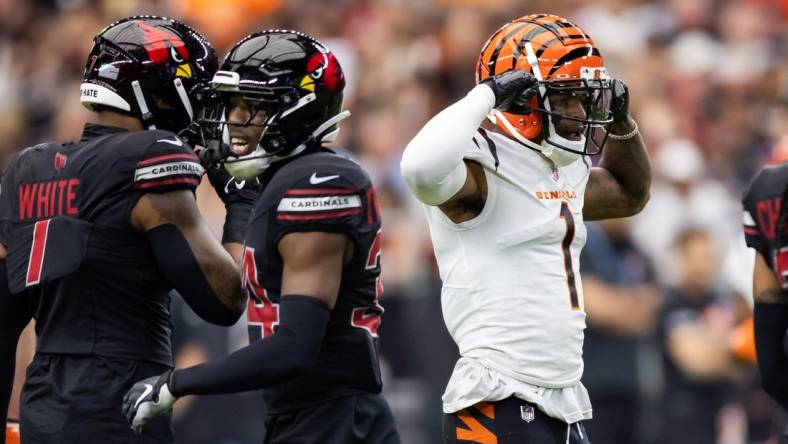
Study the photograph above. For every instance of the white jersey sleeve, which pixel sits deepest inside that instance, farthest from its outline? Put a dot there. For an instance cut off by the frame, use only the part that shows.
(432, 163)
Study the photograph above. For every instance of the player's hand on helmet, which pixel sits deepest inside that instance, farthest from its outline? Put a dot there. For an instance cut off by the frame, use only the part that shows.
(619, 106)
(231, 190)
(148, 399)
(191, 135)
(209, 149)
(508, 86)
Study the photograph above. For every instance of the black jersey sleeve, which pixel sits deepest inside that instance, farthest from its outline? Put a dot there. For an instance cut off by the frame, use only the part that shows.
(754, 234)
(333, 198)
(167, 164)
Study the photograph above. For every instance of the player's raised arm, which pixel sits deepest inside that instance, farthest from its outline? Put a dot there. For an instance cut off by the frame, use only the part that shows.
(619, 186)
(190, 257)
(432, 164)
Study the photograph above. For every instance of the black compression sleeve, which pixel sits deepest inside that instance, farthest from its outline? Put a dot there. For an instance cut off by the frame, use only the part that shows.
(237, 221)
(289, 352)
(771, 325)
(180, 267)
(14, 316)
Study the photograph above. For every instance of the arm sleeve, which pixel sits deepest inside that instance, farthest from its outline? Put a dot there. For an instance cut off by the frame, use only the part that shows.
(181, 269)
(167, 164)
(771, 326)
(286, 354)
(432, 163)
(14, 316)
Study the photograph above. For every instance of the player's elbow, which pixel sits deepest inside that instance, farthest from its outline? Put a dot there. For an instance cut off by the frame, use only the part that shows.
(237, 304)
(639, 201)
(430, 183)
(228, 318)
(223, 318)
(225, 310)
(413, 170)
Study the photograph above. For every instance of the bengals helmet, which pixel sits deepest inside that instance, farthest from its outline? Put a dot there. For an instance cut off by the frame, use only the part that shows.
(564, 60)
(148, 67)
(296, 80)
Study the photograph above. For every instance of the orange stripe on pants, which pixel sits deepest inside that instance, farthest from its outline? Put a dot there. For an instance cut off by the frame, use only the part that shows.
(12, 434)
(475, 432)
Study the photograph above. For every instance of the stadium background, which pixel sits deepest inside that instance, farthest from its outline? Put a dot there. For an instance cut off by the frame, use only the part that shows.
(709, 83)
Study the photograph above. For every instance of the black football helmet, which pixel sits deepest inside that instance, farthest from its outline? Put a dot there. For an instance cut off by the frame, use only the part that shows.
(294, 78)
(148, 67)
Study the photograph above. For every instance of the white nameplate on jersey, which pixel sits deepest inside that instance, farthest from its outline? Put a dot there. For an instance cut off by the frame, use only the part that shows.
(323, 203)
(168, 169)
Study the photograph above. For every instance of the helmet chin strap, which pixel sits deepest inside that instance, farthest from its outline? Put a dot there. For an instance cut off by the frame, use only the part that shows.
(187, 104)
(145, 114)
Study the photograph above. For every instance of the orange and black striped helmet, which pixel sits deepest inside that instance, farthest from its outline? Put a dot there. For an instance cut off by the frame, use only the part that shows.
(564, 60)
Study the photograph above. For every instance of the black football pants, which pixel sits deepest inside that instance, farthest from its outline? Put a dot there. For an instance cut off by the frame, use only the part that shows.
(509, 421)
(70, 399)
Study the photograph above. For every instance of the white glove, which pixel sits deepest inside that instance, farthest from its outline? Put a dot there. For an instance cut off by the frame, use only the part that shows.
(148, 399)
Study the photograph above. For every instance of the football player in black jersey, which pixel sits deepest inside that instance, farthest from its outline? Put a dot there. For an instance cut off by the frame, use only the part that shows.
(311, 260)
(96, 233)
(765, 218)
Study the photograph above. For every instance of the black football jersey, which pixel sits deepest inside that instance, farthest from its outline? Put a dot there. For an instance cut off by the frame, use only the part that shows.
(64, 219)
(323, 192)
(761, 216)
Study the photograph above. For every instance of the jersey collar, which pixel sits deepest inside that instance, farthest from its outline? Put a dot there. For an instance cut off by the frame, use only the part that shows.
(93, 130)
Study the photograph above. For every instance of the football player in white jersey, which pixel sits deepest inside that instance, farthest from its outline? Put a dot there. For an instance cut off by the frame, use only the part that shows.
(505, 201)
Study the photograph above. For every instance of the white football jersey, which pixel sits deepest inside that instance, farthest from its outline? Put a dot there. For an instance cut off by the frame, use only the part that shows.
(512, 298)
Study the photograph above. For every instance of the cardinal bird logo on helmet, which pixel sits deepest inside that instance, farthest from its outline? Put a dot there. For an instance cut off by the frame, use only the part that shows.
(164, 47)
(323, 68)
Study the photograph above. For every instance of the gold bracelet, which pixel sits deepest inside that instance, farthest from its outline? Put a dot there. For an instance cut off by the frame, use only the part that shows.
(626, 136)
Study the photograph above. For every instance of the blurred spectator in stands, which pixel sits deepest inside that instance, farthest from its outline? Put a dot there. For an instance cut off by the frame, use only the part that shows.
(684, 194)
(695, 326)
(621, 303)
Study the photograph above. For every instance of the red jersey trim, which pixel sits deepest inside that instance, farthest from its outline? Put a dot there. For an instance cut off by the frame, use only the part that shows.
(164, 182)
(319, 216)
(168, 157)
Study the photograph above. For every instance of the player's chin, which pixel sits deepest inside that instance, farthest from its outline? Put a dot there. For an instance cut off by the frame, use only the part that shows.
(573, 134)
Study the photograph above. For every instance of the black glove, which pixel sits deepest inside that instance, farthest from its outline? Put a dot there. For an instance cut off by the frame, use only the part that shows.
(238, 196)
(508, 86)
(148, 399)
(207, 146)
(619, 106)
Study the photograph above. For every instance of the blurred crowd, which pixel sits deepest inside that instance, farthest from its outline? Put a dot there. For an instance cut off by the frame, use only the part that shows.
(667, 292)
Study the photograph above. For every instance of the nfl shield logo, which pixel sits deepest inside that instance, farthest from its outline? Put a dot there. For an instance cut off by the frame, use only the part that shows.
(527, 413)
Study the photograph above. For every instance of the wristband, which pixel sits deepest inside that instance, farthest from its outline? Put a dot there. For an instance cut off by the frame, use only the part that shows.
(626, 136)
